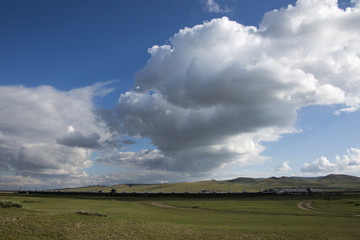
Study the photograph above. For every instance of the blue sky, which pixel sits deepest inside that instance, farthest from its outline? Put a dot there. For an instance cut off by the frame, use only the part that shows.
(96, 92)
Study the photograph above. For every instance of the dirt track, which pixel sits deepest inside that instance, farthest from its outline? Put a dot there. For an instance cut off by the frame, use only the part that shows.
(160, 204)
(302, 205)
(307, 205)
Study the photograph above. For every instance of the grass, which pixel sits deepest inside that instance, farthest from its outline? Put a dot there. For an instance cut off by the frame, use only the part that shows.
(340, 205)
(255, 218)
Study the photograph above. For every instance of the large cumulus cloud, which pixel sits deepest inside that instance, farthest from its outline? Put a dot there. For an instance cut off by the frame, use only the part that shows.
(220, 89)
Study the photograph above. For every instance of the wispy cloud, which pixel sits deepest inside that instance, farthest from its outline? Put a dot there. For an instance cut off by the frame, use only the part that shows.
(213, 6)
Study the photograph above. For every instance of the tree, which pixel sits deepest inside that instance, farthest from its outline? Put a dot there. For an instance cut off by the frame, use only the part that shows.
(112, 192)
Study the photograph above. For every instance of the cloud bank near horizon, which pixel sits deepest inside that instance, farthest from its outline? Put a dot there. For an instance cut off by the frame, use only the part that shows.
(207, 101)
(48, 134)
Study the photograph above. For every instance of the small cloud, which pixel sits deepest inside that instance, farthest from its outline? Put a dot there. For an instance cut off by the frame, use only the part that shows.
(284, 168)
(71, 129)
(213, 6)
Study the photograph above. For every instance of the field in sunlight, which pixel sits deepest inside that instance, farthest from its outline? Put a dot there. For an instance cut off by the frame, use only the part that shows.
(116, 218)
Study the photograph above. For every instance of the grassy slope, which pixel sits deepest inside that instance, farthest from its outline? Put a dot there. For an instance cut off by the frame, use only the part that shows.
(56, 218)
(341, 182)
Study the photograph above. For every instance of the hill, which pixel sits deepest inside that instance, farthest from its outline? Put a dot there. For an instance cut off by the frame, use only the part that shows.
(332, 181)
(326, 183)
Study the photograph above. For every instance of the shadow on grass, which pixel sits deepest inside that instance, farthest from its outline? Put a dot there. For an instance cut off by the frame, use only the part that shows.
(91, 213)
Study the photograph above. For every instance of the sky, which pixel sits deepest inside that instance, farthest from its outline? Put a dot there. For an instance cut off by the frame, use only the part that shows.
(135, 91)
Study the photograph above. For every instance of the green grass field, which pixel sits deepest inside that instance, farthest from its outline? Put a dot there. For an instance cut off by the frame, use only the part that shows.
(118, 218)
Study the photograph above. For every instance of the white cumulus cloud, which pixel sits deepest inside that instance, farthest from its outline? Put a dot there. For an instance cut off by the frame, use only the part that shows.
(348, 163)
(284, 168)
(320, 165)
(220, 89)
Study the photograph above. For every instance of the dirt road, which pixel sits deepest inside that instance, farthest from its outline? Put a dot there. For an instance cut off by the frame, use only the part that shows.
(307, 205)
(163, 205)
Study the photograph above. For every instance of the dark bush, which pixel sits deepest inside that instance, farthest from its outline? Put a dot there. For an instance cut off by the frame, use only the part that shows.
(91, 214)
(9, 204)
(29, 201)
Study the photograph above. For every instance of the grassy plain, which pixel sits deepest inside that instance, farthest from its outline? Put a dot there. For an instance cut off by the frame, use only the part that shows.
(181, 218)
